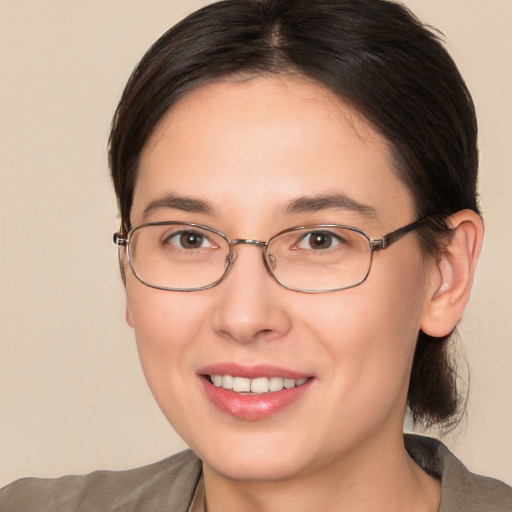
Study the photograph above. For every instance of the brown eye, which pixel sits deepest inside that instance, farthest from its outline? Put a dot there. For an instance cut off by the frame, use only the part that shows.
(191, 240)
(319, 241)
(188, 240)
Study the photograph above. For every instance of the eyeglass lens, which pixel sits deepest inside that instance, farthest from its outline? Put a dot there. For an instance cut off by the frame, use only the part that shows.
(186, 257)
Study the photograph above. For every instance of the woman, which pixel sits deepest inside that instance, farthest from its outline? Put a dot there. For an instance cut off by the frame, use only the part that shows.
(337, 140)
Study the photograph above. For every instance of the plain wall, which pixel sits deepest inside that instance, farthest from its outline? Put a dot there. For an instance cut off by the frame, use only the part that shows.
(72, 395)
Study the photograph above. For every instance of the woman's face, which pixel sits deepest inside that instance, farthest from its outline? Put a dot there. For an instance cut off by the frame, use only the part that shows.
(244, 151)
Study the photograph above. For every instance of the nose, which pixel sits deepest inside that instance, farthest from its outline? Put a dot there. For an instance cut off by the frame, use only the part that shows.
(250, 304)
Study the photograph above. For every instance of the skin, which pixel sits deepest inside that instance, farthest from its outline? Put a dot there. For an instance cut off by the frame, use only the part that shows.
(248, 147)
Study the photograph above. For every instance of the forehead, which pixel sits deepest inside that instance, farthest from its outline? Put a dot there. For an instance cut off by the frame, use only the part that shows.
(253, 144)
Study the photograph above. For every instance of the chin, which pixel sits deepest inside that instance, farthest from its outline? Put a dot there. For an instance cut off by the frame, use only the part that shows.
(253, 457)
(256, 467)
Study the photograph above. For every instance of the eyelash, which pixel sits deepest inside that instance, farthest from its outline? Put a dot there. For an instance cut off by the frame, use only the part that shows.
(336, 239)
(167, 240)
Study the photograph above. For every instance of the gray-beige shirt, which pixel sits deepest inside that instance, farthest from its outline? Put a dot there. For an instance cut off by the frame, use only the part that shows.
(171, 485)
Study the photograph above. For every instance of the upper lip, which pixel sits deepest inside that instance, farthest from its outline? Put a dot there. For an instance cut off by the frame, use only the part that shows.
(251, 371)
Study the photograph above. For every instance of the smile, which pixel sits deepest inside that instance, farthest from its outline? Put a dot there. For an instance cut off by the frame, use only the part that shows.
(256, 386)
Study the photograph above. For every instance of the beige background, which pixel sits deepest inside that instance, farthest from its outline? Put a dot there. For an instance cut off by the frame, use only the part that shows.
(72, 396)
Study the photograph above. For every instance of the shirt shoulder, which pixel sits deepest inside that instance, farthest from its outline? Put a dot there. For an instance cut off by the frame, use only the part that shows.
(460, 488)
(165, 485)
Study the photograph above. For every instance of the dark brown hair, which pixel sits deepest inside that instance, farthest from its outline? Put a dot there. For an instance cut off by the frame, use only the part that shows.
(377, 57)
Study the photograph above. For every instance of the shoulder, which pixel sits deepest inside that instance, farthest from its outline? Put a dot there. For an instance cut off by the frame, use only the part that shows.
(461, 489)
(165, 485)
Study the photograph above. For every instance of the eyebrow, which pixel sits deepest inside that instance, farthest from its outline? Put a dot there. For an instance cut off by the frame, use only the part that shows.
(303, 204)
(174, 202)
(310, 204)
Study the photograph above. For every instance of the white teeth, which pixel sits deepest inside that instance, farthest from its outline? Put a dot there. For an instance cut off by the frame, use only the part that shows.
(275, 384)
(289, 383)
(217, 380)
(241, 384)
(257, 386)
(227, 382)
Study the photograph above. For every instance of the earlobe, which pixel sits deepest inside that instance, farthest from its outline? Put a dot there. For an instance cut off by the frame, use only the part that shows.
(452, 275)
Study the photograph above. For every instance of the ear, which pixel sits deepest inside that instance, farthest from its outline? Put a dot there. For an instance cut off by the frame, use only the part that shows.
(451, 276)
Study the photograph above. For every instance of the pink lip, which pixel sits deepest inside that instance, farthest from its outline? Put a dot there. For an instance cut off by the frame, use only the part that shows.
(250, 371)
(252, 407)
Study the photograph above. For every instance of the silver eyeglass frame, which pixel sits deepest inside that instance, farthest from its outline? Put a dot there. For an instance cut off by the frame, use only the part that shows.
(375, 244)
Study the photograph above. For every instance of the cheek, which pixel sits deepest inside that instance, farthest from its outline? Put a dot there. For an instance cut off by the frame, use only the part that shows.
(159, 317)
(369, 334)
(167, 328)
(387, 305)
(170, 330)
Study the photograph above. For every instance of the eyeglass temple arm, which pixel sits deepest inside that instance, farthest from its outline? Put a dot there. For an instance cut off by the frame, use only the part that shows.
(392, 237)
(119, 240)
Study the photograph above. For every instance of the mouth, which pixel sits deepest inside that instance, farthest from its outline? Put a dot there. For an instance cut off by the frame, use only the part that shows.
(254, 386)
(253, 392)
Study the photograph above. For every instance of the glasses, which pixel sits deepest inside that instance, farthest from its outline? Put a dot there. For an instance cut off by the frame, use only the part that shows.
(182, 256)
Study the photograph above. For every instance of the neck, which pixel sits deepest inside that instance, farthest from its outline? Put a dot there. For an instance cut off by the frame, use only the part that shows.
(376, 478)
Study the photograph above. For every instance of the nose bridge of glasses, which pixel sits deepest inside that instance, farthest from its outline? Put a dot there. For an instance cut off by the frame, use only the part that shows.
(268, 259)
(250, 241)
